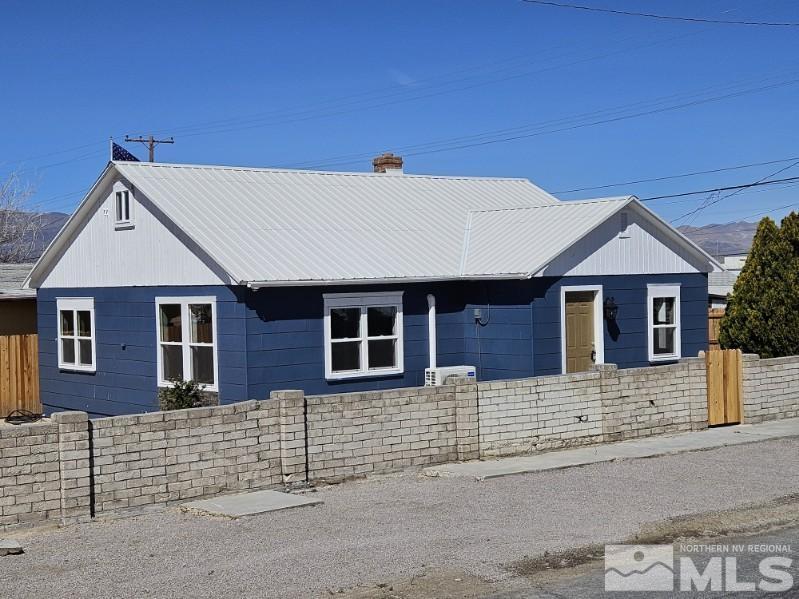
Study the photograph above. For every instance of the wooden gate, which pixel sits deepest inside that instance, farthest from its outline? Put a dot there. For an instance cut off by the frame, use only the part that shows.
(724, 386)
(19, 374)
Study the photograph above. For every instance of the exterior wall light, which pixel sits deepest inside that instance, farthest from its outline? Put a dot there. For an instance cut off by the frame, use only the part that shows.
(611, 310)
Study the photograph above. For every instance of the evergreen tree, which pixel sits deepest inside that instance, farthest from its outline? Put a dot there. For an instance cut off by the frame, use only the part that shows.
(789, 232)
(761, 313)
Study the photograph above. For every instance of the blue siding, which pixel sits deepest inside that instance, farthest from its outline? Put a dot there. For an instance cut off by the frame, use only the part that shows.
(501, 344)
(285, 341)
(125, 381)
(626, 346)
(273, 338)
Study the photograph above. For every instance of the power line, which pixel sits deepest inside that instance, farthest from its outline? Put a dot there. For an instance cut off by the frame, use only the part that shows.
(761, 181)
(57, 152)
(719, 189)
(705, 230)
(627, 13)
(569, 124)
(346, 104)
(680, 176)
(385, 91)
(62, 162)
(150, 142)
(349, 107)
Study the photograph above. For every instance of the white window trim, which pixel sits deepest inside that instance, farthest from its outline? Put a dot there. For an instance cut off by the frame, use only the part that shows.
(363, 301)
(186, 342)
(599, 329)
(83, 304)
(653, 291)
(124, 223)
(624, 225)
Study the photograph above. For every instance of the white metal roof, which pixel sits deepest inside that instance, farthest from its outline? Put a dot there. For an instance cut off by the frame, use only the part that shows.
(520, 241)
(722, 283)
(281, 225)
(287, 227)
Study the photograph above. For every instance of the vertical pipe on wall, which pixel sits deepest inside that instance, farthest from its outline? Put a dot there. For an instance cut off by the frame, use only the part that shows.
(431, 327)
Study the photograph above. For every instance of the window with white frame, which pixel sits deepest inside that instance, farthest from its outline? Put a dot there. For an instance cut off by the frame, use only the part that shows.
(363, 334)
(663, 314)
(187, 340)
(123, 208)
(76, 337)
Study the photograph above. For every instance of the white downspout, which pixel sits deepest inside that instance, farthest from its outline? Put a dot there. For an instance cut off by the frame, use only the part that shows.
(431, 327)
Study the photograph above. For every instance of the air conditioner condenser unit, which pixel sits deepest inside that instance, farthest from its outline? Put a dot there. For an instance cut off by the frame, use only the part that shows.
(434, 377)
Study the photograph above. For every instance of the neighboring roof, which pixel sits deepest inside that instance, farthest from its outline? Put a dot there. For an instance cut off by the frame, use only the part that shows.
(721, 283)
(279, 225)
(503, 241)
(287, 227)
(12, 278)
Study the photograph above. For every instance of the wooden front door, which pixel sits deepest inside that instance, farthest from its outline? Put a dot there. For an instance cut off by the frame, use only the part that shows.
(580, 350)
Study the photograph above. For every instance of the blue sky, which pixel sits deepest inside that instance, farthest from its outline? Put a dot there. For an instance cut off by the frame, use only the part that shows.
(328, 84)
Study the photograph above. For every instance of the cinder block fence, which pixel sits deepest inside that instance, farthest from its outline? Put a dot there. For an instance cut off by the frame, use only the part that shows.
(71, 468)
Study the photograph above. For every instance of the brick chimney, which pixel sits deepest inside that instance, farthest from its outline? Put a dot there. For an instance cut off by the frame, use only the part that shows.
(387, 162)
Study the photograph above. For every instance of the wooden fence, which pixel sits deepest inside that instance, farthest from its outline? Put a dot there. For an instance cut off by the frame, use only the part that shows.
(19, 374)
(714, 316)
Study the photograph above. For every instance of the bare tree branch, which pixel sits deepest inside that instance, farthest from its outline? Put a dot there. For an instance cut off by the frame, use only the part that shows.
(20, 225)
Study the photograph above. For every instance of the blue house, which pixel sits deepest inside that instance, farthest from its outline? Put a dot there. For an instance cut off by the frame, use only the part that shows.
(250, 280)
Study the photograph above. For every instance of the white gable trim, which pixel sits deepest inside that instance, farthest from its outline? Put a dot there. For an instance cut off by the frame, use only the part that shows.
(106, 184)
(49, 256)
(641, 247)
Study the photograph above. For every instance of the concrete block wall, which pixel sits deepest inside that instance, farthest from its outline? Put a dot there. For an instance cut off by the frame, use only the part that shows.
(525, 415)
(30, 475)
(71, 468)
(74, 459)
(770, 387)
(641, 402)
(182, 454)
(607, 404)
(361, 433)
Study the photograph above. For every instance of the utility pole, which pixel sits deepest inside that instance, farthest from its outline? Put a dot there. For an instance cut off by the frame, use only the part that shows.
(150, 142)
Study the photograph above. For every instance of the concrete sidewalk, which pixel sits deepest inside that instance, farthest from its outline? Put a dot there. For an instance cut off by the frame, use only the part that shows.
(637, 448)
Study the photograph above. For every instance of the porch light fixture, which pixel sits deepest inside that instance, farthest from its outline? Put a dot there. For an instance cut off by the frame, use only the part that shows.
(611, 310)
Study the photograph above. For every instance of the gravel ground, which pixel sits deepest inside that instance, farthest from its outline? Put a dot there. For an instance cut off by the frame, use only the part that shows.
(392, 527)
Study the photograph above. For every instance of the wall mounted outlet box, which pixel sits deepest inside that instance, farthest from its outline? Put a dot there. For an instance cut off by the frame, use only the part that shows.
(478, 313)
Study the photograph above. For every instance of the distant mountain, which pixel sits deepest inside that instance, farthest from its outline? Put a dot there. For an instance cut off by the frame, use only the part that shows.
(723, 239)
(51, 225)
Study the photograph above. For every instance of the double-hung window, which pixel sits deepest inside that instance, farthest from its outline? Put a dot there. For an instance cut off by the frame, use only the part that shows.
(363, 334)
(663, 315)
(76, 340)
(187, 340)
(123, 209)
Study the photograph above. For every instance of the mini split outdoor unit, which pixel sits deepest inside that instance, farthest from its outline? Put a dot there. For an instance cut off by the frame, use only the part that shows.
(434, 377)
